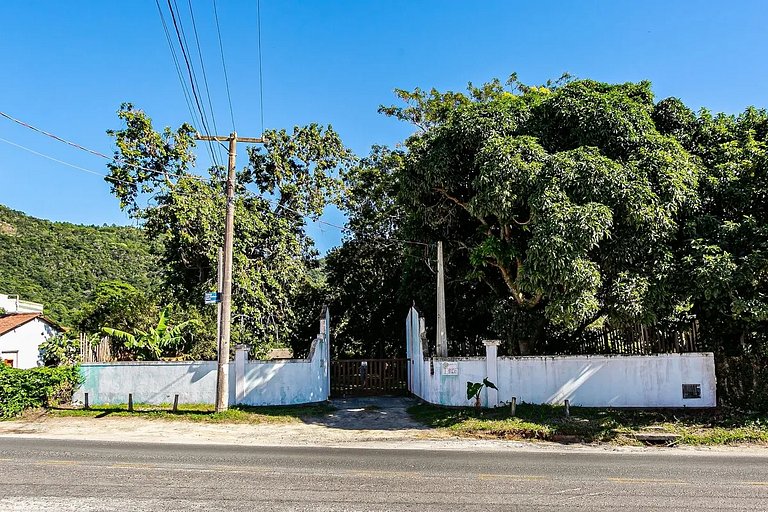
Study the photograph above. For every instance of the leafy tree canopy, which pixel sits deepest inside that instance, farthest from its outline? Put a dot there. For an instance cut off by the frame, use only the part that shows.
(567, 198)
(292, 177)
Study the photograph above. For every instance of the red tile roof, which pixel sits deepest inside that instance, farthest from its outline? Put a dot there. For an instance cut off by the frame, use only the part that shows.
(13, 320)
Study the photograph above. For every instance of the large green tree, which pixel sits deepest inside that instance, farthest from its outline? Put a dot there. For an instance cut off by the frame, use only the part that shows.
(565, 198)
(725, 252)
(291, 178)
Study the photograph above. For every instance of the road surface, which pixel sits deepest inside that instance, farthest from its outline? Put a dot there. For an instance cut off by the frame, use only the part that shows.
(38, 474)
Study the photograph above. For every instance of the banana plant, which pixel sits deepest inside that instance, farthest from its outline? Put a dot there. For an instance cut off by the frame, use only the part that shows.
(149, 344)
(474, 389)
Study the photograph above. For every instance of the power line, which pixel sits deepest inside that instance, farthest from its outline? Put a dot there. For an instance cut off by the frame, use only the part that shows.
(273, 201)
(89, 171)
(343, 229)
(105, 176)
(202, 68)
(192, 78)
(73, 144)
(93, 151)
(224, 66)
(184, 88)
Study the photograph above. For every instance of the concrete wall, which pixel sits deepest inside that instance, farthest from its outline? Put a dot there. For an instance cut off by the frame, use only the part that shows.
(278, 382)
(285, 382)
(595, 381)
(150, 382)
(22, 343)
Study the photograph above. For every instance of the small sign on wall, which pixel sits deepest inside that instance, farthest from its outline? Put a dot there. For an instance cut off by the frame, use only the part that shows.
(450, 368)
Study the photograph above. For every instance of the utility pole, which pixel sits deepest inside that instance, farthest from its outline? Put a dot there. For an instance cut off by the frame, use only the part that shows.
(442, 335)
(222, 374)
(219, 286)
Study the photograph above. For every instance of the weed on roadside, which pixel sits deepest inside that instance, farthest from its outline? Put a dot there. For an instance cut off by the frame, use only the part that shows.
(201, 412)
(593, 425)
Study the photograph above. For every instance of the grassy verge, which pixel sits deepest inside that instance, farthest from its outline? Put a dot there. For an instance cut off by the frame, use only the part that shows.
(201, 413)
(591, 425)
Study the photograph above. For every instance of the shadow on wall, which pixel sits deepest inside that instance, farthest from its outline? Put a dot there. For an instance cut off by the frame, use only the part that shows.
(568, 389)
(200, 371)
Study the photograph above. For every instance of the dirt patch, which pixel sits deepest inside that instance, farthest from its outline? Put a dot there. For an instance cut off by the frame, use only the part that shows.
(7, 229)
(355, 420)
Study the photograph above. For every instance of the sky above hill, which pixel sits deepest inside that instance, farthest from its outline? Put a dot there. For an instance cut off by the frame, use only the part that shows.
(67, 66)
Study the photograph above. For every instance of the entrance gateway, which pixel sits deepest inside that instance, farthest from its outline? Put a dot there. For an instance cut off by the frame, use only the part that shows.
(366, 377)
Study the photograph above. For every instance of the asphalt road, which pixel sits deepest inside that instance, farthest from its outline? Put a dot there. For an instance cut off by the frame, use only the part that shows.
(66, 475)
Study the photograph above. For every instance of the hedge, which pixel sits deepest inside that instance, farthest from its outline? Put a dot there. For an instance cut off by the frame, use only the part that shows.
(35, 387)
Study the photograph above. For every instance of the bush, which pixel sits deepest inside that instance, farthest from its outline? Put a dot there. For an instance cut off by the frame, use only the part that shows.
(36, 387)
(60, 350)
(742, 382)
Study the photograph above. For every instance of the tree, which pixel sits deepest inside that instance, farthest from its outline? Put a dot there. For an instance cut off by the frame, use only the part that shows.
(725, 250)
(116, 304)
(564, 198)
(384, 266)
(153, 343)
(365, 274)
(60, 349)
(293, 177)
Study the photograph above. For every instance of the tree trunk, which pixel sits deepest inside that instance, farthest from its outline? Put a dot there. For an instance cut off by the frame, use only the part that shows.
(524, 346)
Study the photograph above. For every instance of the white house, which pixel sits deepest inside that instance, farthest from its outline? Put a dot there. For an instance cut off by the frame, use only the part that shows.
(22, 329)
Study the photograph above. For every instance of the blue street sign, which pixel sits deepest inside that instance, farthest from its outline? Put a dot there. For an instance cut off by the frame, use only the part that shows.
(212, 297)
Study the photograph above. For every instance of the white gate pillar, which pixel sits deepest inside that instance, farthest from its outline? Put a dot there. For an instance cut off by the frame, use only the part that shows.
(491, 370)
(241, 356)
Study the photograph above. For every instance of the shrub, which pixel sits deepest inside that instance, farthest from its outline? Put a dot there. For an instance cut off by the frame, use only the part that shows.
(36, 387)
(60, 350)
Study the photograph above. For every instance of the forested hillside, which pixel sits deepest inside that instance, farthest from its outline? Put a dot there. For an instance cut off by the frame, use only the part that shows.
(59, 264)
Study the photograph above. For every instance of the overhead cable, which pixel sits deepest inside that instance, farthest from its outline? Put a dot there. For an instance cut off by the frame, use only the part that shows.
(96, 153)
(224, 66)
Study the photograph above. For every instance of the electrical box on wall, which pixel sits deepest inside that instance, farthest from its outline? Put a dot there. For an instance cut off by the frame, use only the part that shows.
(691, 391)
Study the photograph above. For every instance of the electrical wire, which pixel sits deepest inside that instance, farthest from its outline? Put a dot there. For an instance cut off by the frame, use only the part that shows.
(94, 152)
(89, 171)
(184, 88)
(202, 68)
(224, 66)
(192, 78)
(343, 229)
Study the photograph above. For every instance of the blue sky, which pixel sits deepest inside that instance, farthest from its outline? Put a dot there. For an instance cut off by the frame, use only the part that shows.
(67, 66)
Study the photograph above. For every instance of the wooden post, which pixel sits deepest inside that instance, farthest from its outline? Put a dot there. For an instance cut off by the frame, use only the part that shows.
(175, 403)
(567, 408)
(513, 406)
(85, 405)
(130, 402)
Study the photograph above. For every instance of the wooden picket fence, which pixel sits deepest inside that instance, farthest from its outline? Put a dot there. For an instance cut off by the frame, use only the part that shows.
(100, 352)
(634, 340)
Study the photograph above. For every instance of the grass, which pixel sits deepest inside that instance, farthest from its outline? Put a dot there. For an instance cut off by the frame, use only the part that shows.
(592, 425)
(201, 413)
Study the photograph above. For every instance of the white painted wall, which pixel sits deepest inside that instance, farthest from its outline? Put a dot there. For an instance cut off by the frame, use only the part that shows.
(595, 381)
(614, 381)
(150, 382)
(25, 340)
(287, 381)
(281, 382)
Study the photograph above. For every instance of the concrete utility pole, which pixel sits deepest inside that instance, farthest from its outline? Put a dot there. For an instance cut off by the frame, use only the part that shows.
(442, 335)
(222, 375)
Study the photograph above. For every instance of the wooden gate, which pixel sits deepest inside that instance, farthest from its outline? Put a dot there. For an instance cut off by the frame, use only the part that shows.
(361, 377)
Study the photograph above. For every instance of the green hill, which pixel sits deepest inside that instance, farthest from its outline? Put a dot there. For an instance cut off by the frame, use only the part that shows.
(59, 264)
